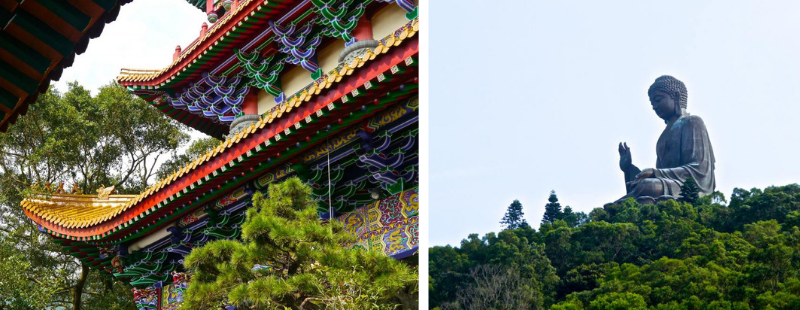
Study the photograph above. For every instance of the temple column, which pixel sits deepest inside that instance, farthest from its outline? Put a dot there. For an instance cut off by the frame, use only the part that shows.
(362, 41)
(210, 12)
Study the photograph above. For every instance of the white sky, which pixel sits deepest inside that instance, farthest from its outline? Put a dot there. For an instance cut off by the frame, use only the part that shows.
(532, 96)
(143, 36)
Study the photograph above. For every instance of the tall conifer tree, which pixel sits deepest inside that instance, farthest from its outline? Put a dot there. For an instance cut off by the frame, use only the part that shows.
(513, 218)
(552, 210)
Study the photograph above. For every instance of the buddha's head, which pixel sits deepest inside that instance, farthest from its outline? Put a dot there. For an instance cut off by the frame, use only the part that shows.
(668, 97)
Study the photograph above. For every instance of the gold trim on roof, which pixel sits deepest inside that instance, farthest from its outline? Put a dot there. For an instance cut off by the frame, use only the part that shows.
(76, 211)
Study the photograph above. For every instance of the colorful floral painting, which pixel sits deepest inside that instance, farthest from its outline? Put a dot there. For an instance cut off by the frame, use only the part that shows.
(390, 225)
(171, 297)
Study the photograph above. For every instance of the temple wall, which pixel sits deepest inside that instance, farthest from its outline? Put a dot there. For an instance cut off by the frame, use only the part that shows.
(390, 225)
(295, 79)
(387, 20)
(265, 101)
(328, 57)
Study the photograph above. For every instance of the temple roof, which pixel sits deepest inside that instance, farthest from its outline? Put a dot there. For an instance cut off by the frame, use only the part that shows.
(76, 211)
(219, 37)
(216, 46)
(281, 130)
(38, 39)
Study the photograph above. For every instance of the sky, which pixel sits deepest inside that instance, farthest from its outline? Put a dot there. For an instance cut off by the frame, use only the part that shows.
(143, 36)
(532, 96)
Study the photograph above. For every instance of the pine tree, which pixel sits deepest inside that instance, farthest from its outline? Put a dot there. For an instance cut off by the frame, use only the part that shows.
(513, 218)
(690, 192)
(289, 259)
(552, 210)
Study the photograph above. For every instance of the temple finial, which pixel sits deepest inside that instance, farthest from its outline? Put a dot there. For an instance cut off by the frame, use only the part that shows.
(203, 29)
(177, 53)
(103, 192)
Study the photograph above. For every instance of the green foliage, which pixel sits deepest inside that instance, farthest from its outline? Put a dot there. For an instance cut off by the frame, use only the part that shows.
(574, 219)
(669, 255)
(88, 141)
(289, 258)
(453, 269)
(513, 218)
(619, 301)
(17, 291)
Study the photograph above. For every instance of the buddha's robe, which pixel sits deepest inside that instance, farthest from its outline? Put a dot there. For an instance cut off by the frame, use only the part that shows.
(684, 151)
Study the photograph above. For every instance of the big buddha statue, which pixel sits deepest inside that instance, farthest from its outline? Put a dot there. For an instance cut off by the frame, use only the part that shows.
(683, 149)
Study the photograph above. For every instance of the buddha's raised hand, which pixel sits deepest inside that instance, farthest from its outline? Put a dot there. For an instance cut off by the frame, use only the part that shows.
(625, 160)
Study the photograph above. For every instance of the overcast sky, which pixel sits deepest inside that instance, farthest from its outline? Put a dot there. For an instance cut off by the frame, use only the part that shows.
(532, 96)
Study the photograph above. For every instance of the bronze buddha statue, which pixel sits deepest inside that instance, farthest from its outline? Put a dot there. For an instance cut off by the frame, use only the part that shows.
(683, 149)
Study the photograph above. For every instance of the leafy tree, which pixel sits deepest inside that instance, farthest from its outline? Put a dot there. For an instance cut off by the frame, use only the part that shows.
(552, 210)
(87, 141)
(448, 270)
(289, 258)
(619, 301)
(668, 255)
(513, 218)
(16, 290)
(498, 288)
(690, 192)
(452, 269)
(574, 219)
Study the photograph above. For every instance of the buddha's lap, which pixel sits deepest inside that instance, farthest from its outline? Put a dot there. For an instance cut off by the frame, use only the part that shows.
(652, 187)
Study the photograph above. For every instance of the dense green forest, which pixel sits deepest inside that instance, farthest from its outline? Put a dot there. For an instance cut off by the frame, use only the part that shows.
(710, 254)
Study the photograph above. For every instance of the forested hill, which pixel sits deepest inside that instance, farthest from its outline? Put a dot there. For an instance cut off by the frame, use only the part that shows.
(743, 254)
